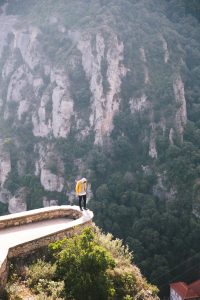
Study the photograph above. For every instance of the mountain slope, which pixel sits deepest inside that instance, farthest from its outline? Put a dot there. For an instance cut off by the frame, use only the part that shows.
(108, 90)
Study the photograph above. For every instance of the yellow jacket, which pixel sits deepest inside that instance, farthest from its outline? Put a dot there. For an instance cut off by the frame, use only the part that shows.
(81, 187)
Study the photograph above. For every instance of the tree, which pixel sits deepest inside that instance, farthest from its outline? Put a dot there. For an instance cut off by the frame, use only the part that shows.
(82, 258)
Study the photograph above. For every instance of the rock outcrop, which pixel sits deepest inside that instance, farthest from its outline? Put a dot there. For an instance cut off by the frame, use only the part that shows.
(104, 104)
(46, 69)
(5, 165)
(181, 114)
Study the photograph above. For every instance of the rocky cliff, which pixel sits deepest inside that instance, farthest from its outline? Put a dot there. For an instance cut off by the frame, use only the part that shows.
(108, 90)
(40, 94)
(57, 80)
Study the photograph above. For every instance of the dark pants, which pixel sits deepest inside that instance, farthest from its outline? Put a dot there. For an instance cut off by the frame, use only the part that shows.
(80, 198)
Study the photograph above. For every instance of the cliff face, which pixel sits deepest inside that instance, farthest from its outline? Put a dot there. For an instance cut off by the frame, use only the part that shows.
(36, 92)
(49, 92)
(107, 90)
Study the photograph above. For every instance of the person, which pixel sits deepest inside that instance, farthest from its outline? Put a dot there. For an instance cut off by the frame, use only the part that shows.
(81, 191)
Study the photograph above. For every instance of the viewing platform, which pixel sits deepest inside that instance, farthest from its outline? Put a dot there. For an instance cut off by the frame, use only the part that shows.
(26, 232)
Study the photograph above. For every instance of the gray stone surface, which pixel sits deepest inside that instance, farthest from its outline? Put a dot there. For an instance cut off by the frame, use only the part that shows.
(38, 228)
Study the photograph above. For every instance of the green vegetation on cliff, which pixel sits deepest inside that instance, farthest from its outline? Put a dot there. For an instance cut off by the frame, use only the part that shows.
(152, 203)
(89, 266)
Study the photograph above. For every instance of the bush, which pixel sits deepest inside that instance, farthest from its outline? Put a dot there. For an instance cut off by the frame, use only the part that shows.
(13, 291)
(52, 289)
(38, 271)
(82, 263)
(40, 278)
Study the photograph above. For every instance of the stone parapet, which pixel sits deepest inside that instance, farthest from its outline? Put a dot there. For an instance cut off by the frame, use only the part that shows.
(79, 220)
(23, 249)
(37, 215)
(3, 274)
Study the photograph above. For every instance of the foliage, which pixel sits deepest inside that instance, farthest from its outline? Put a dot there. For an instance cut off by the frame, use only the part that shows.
(41, 279)
(3, 209)
(119, 251)
(39, 271)
(91, 265)
(151, 204)
(49, 289)
(80, 91)
(13, 291)
(82, 258)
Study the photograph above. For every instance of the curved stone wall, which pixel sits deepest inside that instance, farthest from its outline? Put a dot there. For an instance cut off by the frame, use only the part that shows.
(39, 214)
(79, 221)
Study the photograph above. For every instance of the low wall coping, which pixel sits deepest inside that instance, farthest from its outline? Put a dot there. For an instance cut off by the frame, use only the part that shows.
(8, 246)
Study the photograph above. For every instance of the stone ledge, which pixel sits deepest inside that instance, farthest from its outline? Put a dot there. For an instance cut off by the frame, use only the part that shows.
(81, 220)
(40, 214)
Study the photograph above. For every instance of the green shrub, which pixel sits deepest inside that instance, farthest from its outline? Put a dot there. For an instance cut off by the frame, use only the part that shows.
(82, 263)
(38, 271)
(50, 288)
(13, 291)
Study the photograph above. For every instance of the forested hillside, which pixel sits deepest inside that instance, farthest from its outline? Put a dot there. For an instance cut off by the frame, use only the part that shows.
(108, 90)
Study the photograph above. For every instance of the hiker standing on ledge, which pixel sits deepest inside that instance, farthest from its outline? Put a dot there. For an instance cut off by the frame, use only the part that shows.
(81, 190)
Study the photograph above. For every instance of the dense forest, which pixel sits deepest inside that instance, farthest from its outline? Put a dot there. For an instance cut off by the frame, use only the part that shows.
(150, 200)
(163, 233)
